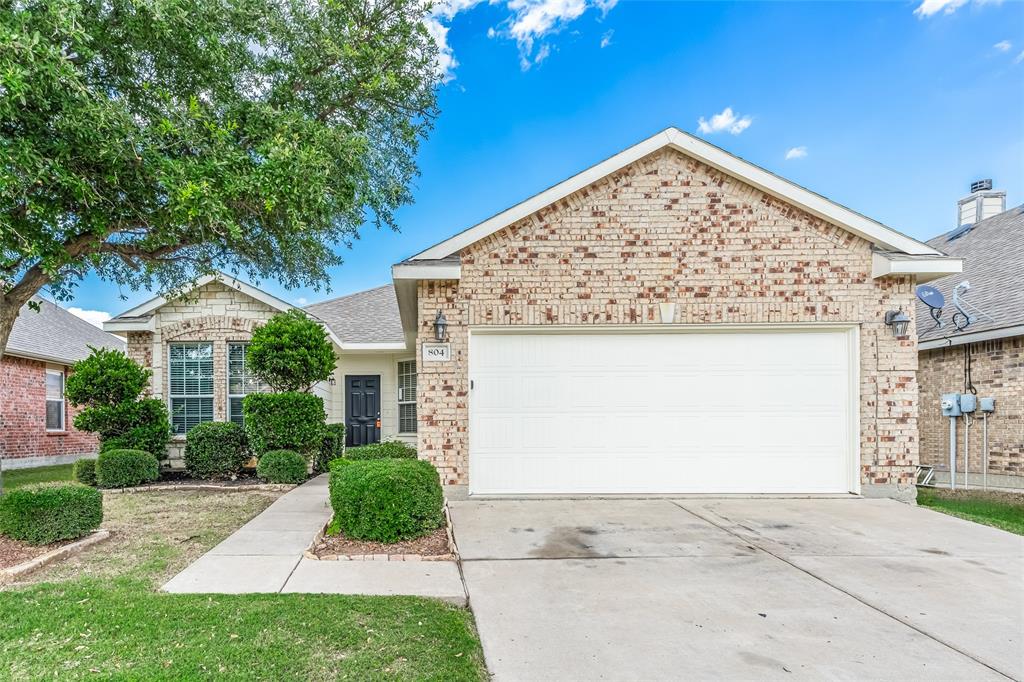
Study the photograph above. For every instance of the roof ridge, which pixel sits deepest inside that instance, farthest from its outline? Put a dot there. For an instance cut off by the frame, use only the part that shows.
(353, 294)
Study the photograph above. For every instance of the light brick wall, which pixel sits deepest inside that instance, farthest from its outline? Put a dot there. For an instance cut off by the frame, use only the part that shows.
(997, 371)
(23, 415)
(670, 229)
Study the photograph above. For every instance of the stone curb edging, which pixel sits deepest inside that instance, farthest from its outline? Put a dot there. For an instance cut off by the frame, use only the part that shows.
(451, 556)
(271, 487)
(10, 573)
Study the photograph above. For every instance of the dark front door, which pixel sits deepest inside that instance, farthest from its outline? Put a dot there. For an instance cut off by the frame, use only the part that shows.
(362, 410)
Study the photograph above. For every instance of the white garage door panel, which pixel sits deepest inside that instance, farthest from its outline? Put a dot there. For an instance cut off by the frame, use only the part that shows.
(737, 412)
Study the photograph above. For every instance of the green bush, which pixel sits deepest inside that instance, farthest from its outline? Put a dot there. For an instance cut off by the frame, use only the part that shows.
(386, 500)
(284, 421)
(84, 471)
(215, 450)
(106, 377)
(331, 447)
(291, 352)
(282, 466)
(44, 514)
(125, 468)
(389, 449)
(140, 425)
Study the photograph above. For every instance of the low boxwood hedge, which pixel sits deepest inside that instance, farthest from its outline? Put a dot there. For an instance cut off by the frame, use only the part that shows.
(389, 449)
(43, 514)
(125, 468)
(84, 471)
(284, 421)
(215, 450)
(282, 466)
(386, 500)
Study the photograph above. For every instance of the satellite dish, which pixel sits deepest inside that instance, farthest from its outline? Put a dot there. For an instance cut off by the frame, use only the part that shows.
(934, 299)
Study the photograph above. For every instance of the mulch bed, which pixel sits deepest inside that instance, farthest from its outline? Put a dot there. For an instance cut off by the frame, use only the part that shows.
(979, 494)
(433, 545)
(14, 552)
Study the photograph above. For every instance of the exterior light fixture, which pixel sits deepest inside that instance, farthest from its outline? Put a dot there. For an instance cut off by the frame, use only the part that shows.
(898, 321)
(440, 326)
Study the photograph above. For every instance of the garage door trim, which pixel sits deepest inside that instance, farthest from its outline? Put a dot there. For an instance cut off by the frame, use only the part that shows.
(853, 363)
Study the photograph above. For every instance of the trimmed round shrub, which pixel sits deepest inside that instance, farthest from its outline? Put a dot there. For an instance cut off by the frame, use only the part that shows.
(107, 377)
(291, 352)
(84, 471)
(125, 468)
(282, 466)
(140, 425)
(284, 421)
(43, 514)
(386, 500)
(331, 447)
(215, 450)
(389, 449)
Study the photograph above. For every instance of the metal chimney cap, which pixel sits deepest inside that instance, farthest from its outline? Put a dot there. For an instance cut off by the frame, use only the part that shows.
(981, 185)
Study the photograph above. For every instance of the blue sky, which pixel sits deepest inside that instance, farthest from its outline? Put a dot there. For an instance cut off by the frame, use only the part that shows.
(891, 108)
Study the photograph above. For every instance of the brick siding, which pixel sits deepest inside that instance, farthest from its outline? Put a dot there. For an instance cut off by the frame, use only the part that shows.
(997, 371)
(23, 415)
(670, 229)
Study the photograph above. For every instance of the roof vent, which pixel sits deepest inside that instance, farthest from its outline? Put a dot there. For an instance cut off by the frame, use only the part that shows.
(981, 185)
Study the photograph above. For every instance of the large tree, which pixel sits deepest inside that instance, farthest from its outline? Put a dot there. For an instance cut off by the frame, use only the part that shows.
(153, 141)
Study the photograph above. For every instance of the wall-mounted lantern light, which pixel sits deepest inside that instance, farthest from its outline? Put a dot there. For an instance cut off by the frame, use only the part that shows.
(898, 321)
(440, 326)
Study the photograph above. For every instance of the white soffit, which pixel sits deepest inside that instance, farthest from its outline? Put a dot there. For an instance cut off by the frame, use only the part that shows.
(815, 204)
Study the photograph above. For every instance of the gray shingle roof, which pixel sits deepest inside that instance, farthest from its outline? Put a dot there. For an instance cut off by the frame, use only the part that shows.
(55, 334)
(364, 317)
(993, 253)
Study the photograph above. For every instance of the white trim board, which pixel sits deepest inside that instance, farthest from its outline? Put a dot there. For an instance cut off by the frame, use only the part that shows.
(815, 204)
(972, 337)
(926, 269)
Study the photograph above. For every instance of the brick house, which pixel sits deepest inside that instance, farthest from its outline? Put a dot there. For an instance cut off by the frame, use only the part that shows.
(987, 354)
(36, 426)
(673, 319)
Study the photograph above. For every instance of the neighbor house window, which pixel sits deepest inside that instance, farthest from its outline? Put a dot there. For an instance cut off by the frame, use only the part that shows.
(241, 380)
(54, 400)
(191, 381)
(407, 396)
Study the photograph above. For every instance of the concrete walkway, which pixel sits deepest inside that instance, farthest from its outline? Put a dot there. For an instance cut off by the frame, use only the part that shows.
(266, 555)
(740, 589)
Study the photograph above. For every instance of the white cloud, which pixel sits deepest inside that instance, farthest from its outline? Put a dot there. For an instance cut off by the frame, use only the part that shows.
(528, 24)
(726, 120)
(1003, 45)
(303, 300)
(93, 317)
(606, 39)
(1019, 58)
(929, 8)
(796, 153)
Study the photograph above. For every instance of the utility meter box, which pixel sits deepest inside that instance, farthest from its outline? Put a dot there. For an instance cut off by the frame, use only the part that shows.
(950, 403)
(968, 402)
(987, 404)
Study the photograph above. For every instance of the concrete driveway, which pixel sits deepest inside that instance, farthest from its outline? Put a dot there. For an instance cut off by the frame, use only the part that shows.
(740, 589)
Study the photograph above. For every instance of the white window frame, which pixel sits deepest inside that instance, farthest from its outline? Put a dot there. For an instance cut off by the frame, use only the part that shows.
(404, 399)
(171, 395)
(48, 400)
(259, 389)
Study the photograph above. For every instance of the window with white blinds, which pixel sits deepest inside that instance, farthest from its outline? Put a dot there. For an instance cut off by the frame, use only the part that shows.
(241, 380)
(407, 396)
(190, 373)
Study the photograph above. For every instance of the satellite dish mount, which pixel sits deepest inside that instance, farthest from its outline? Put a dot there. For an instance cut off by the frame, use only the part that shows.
(934, 299)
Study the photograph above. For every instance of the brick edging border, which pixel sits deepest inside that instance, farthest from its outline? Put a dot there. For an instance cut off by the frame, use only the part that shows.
(11, 572)
(452, 555)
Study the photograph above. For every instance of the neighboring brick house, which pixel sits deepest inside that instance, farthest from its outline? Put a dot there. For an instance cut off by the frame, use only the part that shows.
(195, 343)
(36, 423)
(988, 353)
(673, 319)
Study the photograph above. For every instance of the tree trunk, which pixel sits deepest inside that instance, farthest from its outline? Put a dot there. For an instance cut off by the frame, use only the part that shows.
(10, 306)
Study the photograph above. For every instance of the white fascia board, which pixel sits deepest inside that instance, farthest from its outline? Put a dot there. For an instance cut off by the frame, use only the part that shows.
(924, 268)
(382, 346)
(116, 325)
(975, 337)
(425, 271)
(713, 156)
(39, 357)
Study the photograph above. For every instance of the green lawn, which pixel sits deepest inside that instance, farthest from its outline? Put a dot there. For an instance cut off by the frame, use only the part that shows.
(14, 478)
(99, 615)
(1002, 510)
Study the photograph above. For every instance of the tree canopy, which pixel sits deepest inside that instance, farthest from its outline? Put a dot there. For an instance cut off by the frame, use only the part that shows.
(152, 142)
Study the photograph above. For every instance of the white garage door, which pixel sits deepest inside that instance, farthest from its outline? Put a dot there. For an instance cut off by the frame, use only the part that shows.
(715, 412)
